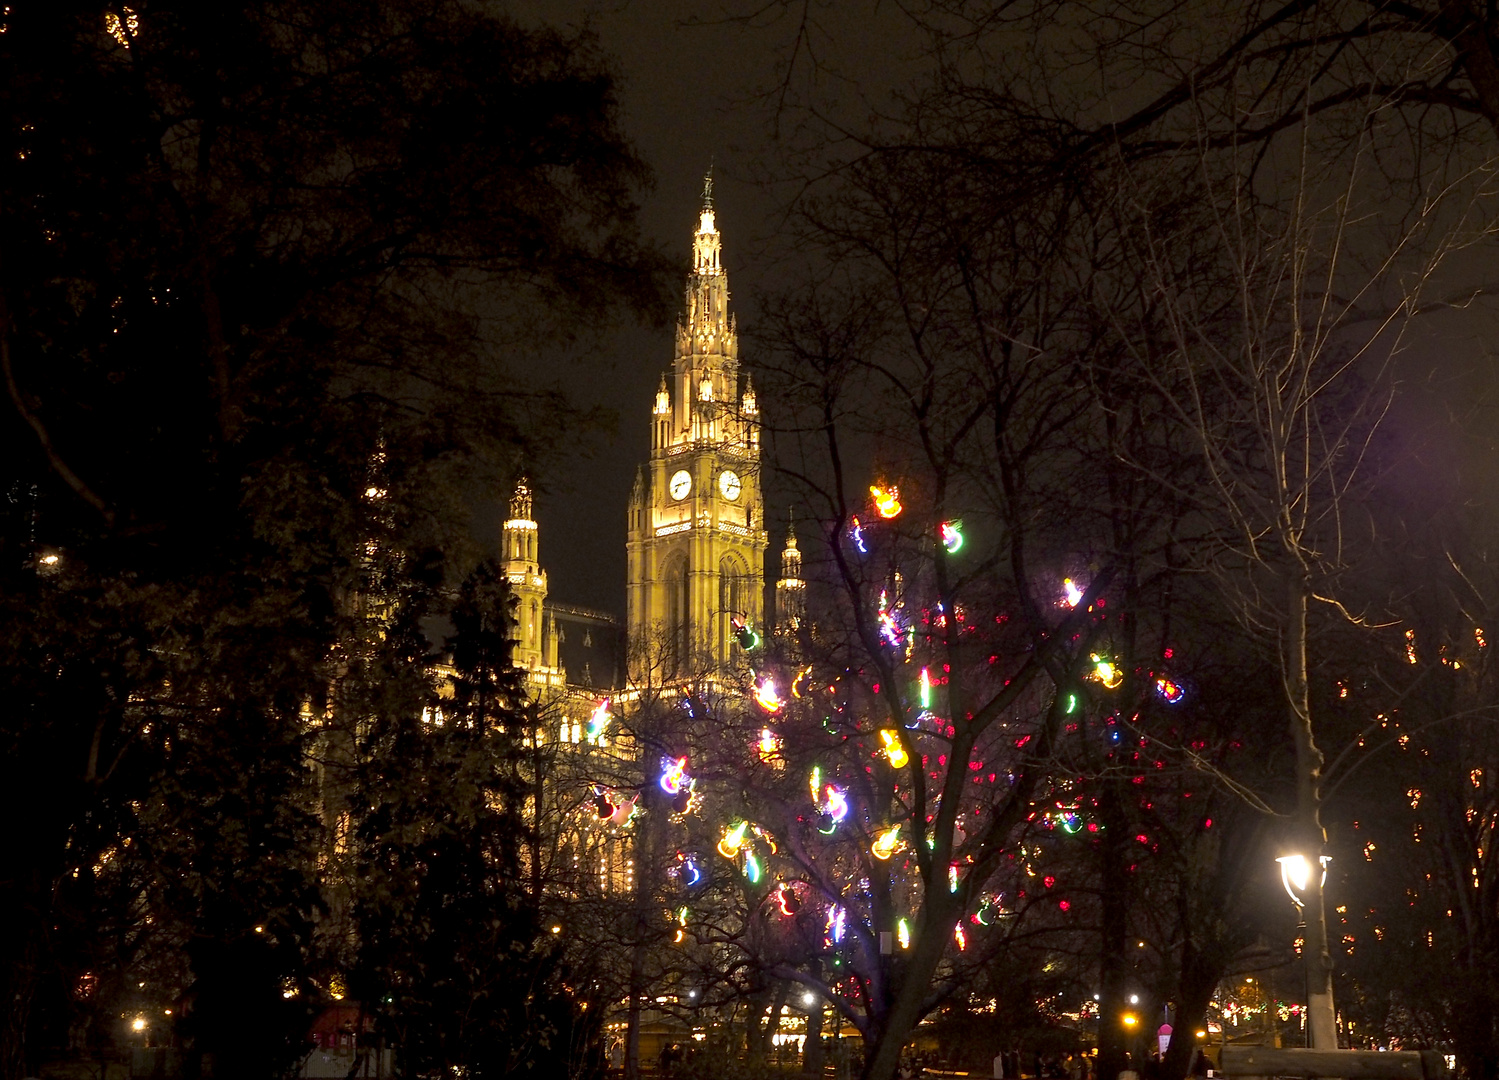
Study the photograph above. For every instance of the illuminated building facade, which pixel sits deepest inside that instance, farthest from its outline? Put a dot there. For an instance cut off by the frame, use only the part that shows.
(558, 645)
(695, 555)
(696, 542)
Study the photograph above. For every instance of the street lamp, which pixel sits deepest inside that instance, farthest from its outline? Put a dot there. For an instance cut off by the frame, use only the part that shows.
(1296, 875)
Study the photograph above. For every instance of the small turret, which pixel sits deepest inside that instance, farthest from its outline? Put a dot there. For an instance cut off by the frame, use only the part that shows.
(791, 589)
(520, 532)
(520, 502)
(528, 581)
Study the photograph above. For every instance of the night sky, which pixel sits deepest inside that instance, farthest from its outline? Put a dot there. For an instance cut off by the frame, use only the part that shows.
(699, 85)
(693, 84)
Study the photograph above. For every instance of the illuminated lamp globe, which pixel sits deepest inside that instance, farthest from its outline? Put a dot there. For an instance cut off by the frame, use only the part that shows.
(1296, 874)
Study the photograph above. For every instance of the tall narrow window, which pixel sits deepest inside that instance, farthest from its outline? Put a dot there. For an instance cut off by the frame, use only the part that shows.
(730, 604)
(677, 629)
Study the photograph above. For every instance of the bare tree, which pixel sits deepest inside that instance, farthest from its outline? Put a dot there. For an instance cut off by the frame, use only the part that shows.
(1267, 336)
(938, 347)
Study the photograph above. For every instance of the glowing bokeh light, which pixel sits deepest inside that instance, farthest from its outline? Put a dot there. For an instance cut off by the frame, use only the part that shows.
(733, 840)
(895, 753)
(837, 805)
(1106, 672)
(624, 812)
(1171, 692)
(749, 639)
(768, 697)
(599, 721)
(673, 775)
(786, 899)
(886, 500)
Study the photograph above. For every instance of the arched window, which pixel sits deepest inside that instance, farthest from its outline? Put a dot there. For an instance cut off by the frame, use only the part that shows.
(535, 618)
(676, 645)
(731, 586)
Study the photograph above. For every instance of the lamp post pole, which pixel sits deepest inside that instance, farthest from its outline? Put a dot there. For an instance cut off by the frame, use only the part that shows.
(1303, 883)
(1306, 982)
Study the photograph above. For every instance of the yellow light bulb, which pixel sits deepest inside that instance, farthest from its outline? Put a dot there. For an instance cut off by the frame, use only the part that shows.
(1107, 672)
(894, 751)
(886, 500)
(733, 840)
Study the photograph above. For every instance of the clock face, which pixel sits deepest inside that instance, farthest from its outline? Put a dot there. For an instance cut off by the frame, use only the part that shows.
(729, 484)
(681, 484)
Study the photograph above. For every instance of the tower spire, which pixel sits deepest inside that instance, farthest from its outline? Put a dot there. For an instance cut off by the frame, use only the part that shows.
(706, 260)
(706, 372)
(696, 539)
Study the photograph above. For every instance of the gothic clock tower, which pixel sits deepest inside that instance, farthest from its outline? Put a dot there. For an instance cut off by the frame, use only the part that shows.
(696, 548)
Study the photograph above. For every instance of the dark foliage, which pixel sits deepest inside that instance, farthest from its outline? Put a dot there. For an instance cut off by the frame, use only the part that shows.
(261, 266)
